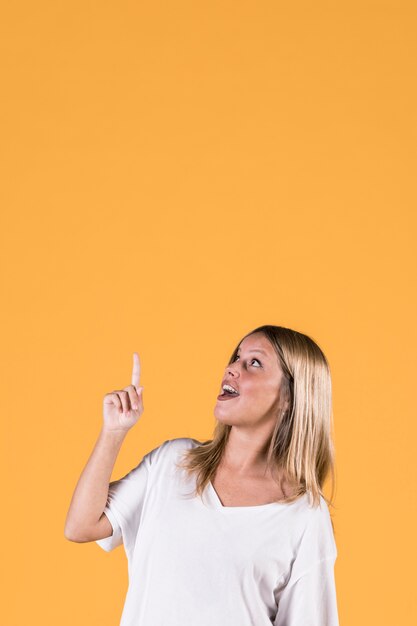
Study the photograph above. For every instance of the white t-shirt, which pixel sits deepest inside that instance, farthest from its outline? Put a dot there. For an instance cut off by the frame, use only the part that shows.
(194, 562)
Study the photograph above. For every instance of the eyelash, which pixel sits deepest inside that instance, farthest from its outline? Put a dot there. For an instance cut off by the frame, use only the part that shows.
(237, 357)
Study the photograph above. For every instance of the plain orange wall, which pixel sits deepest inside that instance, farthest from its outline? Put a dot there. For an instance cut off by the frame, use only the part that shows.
(173, 175)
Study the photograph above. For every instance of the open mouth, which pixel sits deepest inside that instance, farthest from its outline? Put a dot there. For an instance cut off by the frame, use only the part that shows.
(227, 395)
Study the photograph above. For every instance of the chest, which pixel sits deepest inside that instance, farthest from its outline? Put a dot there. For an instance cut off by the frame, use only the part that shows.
(249, 491)
(222, 561)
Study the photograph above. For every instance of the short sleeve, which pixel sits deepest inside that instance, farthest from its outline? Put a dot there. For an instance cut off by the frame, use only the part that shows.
(311, 599)
(308, 597)
(125, 502)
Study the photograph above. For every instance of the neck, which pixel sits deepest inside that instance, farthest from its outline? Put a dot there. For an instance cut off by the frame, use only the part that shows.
(246, 451)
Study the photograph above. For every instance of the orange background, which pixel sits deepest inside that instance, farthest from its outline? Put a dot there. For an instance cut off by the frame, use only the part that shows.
(173, 175)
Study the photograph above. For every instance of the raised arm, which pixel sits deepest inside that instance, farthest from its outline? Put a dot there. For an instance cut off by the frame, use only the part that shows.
(122, 409)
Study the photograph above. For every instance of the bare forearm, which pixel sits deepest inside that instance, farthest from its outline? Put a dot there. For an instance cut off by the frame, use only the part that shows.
(90, 494)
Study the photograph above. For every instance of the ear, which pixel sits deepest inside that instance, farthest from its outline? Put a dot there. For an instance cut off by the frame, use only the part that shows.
(286, 405)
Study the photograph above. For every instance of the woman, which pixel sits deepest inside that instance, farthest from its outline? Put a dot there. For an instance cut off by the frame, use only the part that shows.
(234, 531)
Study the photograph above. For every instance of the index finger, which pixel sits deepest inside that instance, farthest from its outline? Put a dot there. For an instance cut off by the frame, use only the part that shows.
(136, 370)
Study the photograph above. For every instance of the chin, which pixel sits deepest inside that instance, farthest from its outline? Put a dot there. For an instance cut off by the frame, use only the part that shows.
(226, 417)
(223, 417)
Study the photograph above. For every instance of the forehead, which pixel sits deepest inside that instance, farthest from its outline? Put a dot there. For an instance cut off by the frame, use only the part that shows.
(256, 342)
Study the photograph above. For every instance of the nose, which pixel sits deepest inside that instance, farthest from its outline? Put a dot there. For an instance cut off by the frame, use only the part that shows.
(230, 370)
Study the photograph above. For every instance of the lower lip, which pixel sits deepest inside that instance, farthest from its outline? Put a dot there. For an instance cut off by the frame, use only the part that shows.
(226, 397)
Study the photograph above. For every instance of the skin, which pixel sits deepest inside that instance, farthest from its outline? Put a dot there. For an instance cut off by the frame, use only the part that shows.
(257, 376)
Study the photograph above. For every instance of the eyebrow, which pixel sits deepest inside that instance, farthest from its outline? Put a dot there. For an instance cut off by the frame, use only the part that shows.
(262, 351)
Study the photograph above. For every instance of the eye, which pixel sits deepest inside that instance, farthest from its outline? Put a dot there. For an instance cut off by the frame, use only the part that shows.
(260, 364)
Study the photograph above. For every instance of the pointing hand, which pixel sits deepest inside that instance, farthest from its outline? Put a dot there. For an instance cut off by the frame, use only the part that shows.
(122, 408)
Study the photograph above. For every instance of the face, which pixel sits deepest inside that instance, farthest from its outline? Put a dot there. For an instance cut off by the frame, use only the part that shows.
(256, 374)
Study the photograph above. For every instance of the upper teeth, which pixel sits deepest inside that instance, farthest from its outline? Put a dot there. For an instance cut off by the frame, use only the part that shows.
(229, 388)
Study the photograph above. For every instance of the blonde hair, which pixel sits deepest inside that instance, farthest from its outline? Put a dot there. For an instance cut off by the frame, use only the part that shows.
(301, 445)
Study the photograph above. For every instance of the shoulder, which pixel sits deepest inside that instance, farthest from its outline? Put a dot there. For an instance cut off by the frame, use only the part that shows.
(183, 443)
(172, 448)
(317, 536)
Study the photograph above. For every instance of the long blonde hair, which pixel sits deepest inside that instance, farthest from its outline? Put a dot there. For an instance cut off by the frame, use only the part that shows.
(301, 445)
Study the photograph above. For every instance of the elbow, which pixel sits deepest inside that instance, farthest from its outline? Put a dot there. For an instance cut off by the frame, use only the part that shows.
(72, 535)
(68, 534)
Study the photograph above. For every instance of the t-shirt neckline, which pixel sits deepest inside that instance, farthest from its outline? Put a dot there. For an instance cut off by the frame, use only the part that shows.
(214, 498)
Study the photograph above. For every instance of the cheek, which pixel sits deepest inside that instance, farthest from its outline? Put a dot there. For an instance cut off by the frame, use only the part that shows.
(264, 393)
(270, 392)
